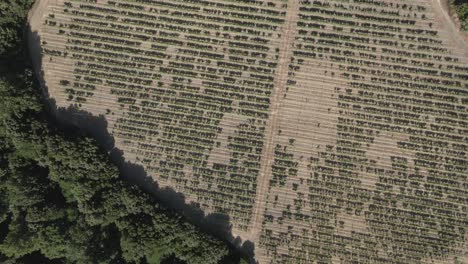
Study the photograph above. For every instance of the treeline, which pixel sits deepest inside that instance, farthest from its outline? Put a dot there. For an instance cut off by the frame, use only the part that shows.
(61, 199)
(461, 8)
(12, 16)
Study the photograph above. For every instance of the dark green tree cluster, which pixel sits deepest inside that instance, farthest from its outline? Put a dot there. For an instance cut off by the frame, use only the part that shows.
(61, 199)
(461, 8)
(12, 16)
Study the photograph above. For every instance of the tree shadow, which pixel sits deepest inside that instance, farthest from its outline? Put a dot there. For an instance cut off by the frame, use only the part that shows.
(75, 121)
(35, 51)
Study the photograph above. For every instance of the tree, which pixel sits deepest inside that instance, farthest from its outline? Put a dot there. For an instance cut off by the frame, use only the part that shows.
(61, 198)
(461, 8)
(12, 17)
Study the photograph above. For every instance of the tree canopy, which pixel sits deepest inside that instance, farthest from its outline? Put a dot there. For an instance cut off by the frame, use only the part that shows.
(61, 198)
(12, 17)
(461, 8)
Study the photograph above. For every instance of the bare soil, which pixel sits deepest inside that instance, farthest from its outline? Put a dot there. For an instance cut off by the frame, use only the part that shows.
(287, 35)
(307, 113)
(453, 23)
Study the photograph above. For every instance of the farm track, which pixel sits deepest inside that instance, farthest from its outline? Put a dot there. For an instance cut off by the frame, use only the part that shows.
(457, 33)
(288, 34)
(311, 103)
(100, 93)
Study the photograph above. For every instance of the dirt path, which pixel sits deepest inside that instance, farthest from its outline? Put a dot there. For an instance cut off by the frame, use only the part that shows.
(460, 37)
(288, 34)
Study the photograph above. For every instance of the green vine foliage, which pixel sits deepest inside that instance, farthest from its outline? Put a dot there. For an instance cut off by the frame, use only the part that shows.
(61, 198)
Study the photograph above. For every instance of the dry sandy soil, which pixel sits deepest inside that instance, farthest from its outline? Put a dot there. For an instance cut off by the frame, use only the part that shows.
(304, 119)
(453, 22)
(288, 34)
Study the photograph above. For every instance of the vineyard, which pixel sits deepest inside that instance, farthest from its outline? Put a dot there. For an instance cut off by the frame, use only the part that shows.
(329, 131)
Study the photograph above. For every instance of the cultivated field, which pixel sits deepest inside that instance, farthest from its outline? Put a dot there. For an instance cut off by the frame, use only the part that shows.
(330, 131)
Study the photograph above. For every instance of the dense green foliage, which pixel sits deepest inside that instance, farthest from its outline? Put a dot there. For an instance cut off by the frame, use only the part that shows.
(12, 16)
(461, 8)
(61, 199)
(61, 196)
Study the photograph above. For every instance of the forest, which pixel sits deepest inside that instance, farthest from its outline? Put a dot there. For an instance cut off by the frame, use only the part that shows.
(62, 200)
(317, 131)
(461, 8)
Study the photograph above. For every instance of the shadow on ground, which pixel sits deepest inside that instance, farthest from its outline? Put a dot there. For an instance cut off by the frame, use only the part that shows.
(77, 121)
(96, 126)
